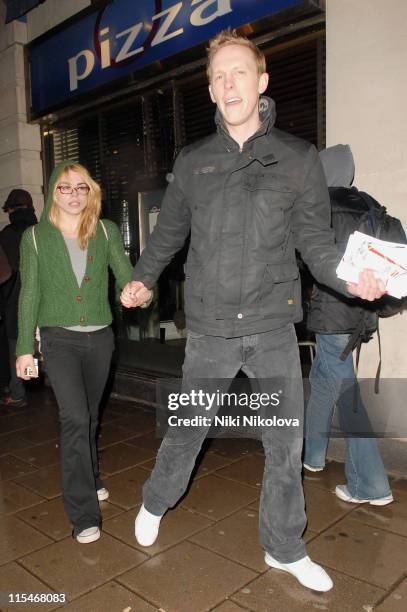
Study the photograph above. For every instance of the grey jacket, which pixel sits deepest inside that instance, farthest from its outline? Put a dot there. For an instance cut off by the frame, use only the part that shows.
(247, 212)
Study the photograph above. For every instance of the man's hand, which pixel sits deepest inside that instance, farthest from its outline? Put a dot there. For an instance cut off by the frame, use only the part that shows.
(368, 288)
(22, 363)
(135, 294)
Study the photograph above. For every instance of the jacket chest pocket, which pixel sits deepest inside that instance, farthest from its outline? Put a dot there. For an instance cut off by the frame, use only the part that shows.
(270, 202)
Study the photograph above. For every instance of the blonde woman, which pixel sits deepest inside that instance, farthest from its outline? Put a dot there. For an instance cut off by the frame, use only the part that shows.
(64, 274)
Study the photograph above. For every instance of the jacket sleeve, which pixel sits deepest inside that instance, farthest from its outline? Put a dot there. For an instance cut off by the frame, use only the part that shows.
(311, 225)
(29, 297)
(170, 231)
(117, 259)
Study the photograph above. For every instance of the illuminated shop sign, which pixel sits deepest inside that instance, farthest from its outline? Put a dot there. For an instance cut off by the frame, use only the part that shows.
(128, 35)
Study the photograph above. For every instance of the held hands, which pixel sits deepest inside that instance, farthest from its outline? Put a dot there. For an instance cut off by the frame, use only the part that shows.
(368, 288)
(135, 294)
(23, 363)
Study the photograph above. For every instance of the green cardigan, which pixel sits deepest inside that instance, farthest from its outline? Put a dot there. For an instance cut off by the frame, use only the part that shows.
(50, 294)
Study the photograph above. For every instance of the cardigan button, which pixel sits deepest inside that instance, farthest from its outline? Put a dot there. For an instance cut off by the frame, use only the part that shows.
(81, 319)
(79, 298)
(90, 257)
(86, 279)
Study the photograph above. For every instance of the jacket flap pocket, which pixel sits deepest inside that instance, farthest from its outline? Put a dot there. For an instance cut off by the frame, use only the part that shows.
(253, 182)
(283, 272)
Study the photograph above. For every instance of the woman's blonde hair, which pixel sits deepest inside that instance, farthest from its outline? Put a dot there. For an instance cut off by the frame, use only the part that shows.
(90, 214)
(231, 37)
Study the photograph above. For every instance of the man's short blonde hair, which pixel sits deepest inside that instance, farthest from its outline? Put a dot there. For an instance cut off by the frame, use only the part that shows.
(231, 37)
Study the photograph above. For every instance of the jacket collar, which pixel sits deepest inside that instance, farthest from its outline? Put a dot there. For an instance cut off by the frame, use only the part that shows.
(267, 112)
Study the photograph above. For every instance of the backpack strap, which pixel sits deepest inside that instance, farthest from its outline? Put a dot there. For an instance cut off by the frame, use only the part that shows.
(34, 239)
(356, 338)
(379, 367)
(376, 213)
(104, 229)
(352, 342)
(355, 342)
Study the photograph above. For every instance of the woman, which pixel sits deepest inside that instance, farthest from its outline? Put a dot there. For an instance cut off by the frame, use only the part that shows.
(64, 274)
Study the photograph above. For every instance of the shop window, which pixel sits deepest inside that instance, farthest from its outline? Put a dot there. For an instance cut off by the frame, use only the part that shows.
(297, 86)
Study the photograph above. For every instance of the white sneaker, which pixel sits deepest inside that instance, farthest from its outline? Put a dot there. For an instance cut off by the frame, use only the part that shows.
(146, 527)
(308, 573)
(102, 494)
(91, 534)
(342, 492)
(312, 469)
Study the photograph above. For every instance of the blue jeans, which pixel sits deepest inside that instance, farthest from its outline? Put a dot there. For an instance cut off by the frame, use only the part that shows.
(333, 381)
(265, 358)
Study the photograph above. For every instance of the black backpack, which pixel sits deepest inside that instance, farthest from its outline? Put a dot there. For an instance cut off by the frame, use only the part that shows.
(384, 227)
(376, 222)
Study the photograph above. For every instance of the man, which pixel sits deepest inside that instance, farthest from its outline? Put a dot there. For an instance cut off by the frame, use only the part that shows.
(250, 195)
(334, 318)
(19, 206)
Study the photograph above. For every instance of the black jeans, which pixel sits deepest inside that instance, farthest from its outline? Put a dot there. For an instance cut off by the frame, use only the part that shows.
(78, 365)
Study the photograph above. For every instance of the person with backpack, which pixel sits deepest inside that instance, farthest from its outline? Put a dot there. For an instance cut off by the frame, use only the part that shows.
(64, 276)
(20, 209)
(340, 325)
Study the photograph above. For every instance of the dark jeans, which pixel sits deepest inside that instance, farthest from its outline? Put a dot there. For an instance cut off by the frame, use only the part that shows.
(263, 357)
(78, 365)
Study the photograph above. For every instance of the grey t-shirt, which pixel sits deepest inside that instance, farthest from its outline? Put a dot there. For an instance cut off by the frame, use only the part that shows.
(78, 260)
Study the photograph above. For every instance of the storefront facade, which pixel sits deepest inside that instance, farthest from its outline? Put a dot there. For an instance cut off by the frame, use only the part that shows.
(121, 87)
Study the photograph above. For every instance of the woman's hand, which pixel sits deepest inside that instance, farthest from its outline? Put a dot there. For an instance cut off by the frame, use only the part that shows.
(22, 363)
(135, 294)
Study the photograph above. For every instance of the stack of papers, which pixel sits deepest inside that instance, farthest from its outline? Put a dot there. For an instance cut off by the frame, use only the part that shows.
(387, 259)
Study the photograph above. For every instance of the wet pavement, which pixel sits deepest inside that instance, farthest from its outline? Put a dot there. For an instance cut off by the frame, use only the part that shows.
(207, 556)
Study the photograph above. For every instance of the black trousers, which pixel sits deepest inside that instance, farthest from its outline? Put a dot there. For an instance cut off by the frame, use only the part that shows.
(78, 365)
